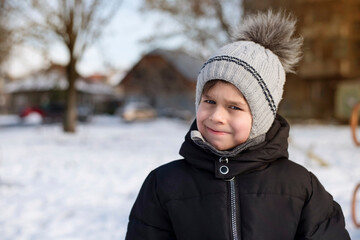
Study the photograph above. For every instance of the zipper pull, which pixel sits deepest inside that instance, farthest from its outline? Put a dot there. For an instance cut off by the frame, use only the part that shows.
(223, 169)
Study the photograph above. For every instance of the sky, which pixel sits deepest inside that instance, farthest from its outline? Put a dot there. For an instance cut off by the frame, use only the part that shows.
(120, 46)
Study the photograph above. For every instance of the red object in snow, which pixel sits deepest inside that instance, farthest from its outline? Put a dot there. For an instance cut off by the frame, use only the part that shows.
(28, 110)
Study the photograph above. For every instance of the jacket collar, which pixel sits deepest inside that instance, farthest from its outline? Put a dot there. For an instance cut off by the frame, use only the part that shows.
(200, 141)
(250, 159)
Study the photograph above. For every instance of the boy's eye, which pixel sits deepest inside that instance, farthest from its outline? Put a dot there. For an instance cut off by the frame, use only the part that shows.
(235, 108)
(210, 101)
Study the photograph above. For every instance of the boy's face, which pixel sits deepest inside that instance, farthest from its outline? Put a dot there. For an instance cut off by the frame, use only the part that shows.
(223, 117)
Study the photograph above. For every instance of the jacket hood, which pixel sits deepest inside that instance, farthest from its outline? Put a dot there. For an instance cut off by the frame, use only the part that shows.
(252, 159)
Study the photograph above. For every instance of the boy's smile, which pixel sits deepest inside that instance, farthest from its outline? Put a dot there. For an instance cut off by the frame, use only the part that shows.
(216, 132)
(223, 117)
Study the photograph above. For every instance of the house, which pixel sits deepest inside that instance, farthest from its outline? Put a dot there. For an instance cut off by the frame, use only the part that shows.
(164, 79)
(48, 87)
(331, 59)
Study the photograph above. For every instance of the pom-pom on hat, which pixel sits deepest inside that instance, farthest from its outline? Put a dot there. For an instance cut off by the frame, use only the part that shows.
(256, 63)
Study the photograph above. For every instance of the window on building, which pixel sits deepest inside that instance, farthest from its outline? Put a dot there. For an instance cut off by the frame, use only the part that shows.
(309, 56)
(356, 27)
(356, 64)
(356, 47)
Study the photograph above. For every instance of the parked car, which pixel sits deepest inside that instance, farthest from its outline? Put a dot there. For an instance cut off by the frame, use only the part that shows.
(137, 111)
(54, 112)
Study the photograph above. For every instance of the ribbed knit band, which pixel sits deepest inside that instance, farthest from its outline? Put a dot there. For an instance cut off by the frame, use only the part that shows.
(256, 72)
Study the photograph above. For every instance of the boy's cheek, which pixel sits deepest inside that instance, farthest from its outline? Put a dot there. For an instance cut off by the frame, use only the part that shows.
(200, 111)
(199, 124)
(201, 114)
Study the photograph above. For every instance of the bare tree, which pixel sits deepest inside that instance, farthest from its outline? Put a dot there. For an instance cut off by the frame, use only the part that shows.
(77, 24)
(5, 33)
(201, 25)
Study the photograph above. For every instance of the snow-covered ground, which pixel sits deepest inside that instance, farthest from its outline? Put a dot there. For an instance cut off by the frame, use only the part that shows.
(82, 186)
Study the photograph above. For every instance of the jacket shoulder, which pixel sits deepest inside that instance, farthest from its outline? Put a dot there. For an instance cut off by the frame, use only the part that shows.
(291, 170)
(281, 177)
(172, 171)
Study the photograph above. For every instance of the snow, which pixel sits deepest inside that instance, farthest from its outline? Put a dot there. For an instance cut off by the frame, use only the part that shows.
(55, 185)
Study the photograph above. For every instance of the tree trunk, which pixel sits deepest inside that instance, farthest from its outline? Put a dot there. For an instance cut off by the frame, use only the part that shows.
(70, 117)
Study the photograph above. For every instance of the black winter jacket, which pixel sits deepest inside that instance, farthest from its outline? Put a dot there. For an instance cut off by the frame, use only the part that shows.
(264, 196)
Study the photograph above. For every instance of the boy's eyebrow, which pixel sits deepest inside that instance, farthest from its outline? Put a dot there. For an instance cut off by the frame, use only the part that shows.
(242, 102)
(206, 95)
(232, 102)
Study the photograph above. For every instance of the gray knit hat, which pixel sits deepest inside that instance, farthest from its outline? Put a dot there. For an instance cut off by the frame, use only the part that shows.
(256, 63)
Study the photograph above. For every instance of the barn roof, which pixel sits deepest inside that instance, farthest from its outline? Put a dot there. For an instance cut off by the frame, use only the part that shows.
(184, 63)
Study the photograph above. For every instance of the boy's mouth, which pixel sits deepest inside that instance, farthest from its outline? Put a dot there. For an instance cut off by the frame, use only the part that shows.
(216, 132)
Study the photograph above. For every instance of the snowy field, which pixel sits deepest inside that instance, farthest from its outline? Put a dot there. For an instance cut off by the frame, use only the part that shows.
(82, 186)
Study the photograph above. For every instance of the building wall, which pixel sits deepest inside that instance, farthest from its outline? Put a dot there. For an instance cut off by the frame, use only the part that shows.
(20, 100)
(154, 80)
(331, 31)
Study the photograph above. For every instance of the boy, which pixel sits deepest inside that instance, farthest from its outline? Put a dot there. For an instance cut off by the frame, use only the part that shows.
(236, 181)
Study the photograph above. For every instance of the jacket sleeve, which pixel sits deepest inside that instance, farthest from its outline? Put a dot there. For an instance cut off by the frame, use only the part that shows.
(321, 217)
(148, 218)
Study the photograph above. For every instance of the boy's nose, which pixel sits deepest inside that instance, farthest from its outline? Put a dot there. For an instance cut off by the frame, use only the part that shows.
(218, 115)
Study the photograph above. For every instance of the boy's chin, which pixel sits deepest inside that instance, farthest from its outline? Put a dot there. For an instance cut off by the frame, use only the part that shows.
(222, 147)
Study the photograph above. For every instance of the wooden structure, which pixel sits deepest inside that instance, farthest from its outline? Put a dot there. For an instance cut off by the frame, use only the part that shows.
(164, 79)
(331, 31)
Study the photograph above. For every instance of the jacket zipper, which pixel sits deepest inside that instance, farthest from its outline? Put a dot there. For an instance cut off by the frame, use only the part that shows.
(233, 209)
